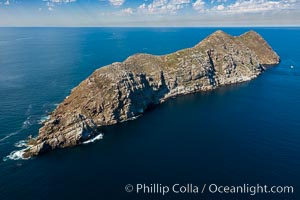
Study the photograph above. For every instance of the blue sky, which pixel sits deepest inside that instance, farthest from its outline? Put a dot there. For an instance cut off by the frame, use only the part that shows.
(149, 13)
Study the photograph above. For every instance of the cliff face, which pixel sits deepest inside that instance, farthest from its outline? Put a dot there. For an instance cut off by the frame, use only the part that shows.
(121, 91)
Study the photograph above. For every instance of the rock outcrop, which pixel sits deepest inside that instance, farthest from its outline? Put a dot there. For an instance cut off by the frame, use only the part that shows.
(123, 90)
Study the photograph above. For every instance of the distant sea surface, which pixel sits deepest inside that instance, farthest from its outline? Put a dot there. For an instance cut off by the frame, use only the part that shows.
(247, 133)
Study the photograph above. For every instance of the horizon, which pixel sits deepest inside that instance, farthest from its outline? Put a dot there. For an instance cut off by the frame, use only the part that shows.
(149, 13)
(253, 26)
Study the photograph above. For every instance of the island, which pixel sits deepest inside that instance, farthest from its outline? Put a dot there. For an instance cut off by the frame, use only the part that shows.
(124, 90)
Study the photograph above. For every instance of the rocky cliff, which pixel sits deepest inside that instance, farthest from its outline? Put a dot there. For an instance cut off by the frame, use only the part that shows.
(123, 90)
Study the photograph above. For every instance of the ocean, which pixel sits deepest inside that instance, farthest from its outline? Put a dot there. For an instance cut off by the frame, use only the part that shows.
(246, 133)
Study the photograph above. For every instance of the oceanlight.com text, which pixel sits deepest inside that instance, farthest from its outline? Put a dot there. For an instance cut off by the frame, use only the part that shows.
(190, 188)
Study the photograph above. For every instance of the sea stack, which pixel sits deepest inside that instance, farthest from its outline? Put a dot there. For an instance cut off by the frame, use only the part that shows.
(123, 90)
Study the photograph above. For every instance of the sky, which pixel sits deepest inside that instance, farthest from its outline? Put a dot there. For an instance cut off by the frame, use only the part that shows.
(143, 13)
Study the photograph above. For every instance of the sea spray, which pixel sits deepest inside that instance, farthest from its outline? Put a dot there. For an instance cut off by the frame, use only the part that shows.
(43, 119)
(16, 155)
(97, 137)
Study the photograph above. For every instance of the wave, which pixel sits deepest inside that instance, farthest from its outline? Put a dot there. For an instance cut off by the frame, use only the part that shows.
(48, 108)
(29, 108)
(16, 155)
(9, 135)
(34, 119)
(43, 119)
(97, 137)
(31, 120)
(28, 122)
(21, 143)
(133, 118)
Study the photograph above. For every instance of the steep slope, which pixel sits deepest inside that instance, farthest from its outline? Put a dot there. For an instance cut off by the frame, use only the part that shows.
(121, 91)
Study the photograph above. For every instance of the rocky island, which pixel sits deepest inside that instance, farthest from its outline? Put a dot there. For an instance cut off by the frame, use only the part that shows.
(123, 90)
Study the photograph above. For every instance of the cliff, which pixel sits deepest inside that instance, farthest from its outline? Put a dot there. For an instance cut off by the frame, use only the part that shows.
(123, 90)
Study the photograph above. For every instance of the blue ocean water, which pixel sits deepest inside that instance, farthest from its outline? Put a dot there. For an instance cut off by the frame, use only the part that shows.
(245, 133)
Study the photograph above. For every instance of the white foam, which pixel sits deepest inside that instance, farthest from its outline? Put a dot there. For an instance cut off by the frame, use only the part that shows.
(21, 143)
(98, 137)
(26, 123)
(133, 118)
(43, 119)
(16, 155)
